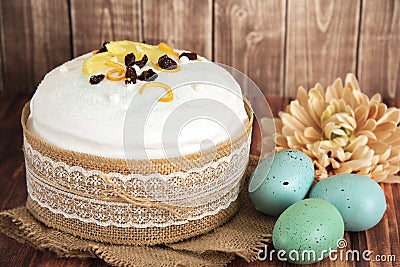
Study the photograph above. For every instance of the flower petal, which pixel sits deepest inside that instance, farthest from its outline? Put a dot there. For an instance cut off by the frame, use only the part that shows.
(291, 122)
(370, 125)
(391, 178)
(339, 154)
(382, 108)
(392, 114)
(363, 152)
(353, 165)
(388, 126)
(334, 163)
(352, 81)
(369, 134)
(349, 96)
(359, 141)
(334, 91)
(377, 98)
(311, 133)
(281, 141)
(302, 96)
(361, 114)
(301, 115)
(292, 142)
(373, 111)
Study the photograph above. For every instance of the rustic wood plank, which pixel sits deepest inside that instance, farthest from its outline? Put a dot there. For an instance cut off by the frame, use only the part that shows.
(379, 49)
(13, 189)
(14, 253)
(35, 38)
(249, 36)
(1, 52)
(385, 236)
(96, 21)
(47, 259)
(1, 77)
(321, 42)
(1, 56)
(13, 186)
(183, 24)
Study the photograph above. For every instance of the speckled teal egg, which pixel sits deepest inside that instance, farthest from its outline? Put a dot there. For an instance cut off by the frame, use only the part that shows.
(309, 227)
(359, 199)
(280, 180)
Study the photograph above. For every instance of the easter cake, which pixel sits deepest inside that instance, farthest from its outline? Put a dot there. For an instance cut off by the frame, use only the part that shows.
(136, 144)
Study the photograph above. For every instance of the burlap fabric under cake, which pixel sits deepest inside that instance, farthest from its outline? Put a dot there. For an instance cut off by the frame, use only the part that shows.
(243, 235)
(54, 191)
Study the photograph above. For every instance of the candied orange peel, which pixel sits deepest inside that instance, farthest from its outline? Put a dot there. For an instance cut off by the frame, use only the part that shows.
(114, 64)
(168, 98)
(117, 68)
(121, 75)
(167, 49)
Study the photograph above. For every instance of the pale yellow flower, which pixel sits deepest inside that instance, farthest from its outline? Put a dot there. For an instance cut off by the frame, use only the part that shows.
(343, 131)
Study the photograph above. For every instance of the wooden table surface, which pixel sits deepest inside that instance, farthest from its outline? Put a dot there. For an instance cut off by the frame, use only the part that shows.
(382, 240)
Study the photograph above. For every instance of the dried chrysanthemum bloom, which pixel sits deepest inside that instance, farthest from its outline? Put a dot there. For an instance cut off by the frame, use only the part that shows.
(343, 131)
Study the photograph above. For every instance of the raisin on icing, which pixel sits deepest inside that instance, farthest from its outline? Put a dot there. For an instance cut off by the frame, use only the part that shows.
(95, 79)
(142, 62)
(103, 48)
(190, 56)
(167, 63)
(148, 75)
(130, 59)
(130, 75)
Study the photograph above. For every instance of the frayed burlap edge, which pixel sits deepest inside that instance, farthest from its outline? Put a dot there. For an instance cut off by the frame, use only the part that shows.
(241, 236)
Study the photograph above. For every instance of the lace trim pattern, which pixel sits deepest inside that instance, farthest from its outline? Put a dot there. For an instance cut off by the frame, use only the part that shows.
(209, 189)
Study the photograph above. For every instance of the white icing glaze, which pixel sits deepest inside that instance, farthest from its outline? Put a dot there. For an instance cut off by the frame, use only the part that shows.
(184, 60)
(70, 113)
(63, 68)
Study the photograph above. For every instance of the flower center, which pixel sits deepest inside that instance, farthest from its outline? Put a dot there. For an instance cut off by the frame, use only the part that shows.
(338, 123)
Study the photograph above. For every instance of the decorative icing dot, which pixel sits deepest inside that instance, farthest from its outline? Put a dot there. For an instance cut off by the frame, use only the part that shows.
(184, 60)
(114, 98)
(64, 68)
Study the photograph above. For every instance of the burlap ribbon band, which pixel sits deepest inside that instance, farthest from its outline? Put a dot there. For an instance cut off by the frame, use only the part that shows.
(52, 191)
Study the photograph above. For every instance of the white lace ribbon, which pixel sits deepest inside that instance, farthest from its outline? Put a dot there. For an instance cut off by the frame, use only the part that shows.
(209, 189)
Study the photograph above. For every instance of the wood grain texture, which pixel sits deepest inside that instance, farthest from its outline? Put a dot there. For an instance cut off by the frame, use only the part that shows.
(280, 44)
(1, 54)
(379, 49)
(96, 21)
(1, 71)
(35, 38)
(184, 24)
(321, 42)
(388, 228)
(249, 35)
(383, 239)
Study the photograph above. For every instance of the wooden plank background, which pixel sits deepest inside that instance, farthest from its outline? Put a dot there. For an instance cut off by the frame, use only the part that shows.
(321, 42)
(280, 44)
(380, 47)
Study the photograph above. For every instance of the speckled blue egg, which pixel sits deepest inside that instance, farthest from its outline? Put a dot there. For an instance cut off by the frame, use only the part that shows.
(280, 180)
(309, 226)
(359, 199)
